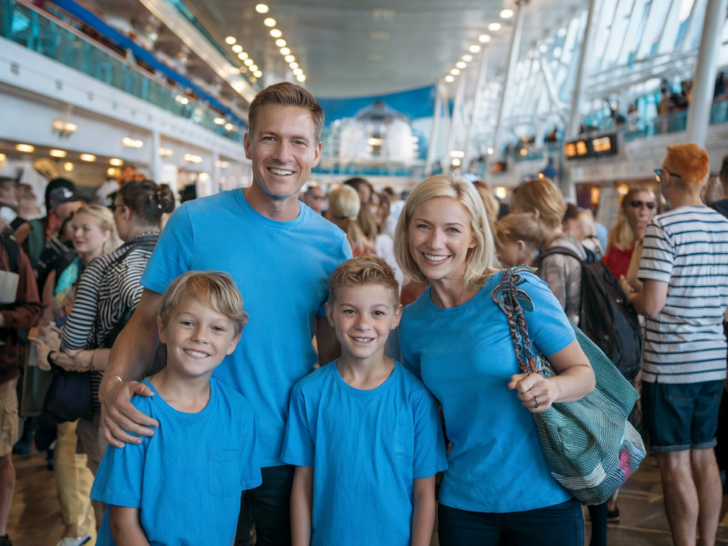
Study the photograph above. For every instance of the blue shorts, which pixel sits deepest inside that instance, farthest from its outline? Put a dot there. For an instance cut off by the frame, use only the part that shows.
(681, 416)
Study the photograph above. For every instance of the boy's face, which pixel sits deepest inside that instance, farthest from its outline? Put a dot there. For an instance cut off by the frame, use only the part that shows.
(363, 317)
(197, 338)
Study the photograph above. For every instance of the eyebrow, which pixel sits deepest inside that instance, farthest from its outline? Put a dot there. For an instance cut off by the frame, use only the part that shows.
(291, 137)
(448, 224)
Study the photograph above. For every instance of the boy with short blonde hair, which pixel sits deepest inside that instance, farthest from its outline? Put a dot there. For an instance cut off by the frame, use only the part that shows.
(363, 432)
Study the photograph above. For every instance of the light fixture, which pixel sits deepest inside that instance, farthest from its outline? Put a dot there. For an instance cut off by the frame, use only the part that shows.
(270, 22)
(454, 72)
(3, 157)
(501, 192)
(219, 121)
(474, 48)
(495, 27)
(285, 51)
(257, 74)
(457, 153)
(166, 152)
(203, 177)
(467, 58)
(58, 153)
(223, 164)
(111, 171)
(88, 157)
(293, 65)
(280, 42)
(297, 72)
(116, 162)
(237, 48)
(506, 13)
(230, 40)
(253, 79)
(373, 141)
(192, 158)
(301, 78)
(242, 55)
(228, 126)
(449, 78)
(289, 58)
(181, 99)
(484, 38)
(253, 67)
(131, 142)
(248, 62)
(261, 8)
(461, 64)
(490, 151)
(276, 33)
(27, 148)
(64, 126)
(68, 167)
(456, 162)
(523, 151)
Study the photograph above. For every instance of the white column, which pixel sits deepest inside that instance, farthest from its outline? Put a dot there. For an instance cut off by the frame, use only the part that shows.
(704, 77)
(216, 171)
(479, 87)
(435, 131)
(457, 107)
(156, 160)
(572, 130)
(510, 69)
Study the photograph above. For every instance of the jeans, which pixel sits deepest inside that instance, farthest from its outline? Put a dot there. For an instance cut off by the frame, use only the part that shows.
(270, 505)
(558, 525)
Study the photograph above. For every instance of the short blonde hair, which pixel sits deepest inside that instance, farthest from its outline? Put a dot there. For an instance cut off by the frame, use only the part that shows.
(344, 205)
(540, 196)
(362, 271)
(481, 260)
(105, 219)
(520, 226)
(212, 288)
(286, 94)
(691, 162)
(492, 206)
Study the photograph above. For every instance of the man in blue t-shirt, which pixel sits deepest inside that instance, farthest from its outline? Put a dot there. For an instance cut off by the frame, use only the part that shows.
(280, 255)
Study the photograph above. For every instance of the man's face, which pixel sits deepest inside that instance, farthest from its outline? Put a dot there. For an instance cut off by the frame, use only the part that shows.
(315, 199)
(283, 150)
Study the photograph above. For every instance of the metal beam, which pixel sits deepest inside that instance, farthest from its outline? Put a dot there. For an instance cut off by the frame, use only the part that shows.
(478, 98)
(575, 117)
(435, 131)
(457, 107)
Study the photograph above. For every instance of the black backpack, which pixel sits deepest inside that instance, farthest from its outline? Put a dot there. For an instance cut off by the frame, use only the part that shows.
(606, 315)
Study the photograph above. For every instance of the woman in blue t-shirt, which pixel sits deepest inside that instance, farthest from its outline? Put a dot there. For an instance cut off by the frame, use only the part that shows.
(455, 337)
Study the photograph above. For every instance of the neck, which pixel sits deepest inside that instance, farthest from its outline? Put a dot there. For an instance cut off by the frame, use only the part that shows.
(447, 293)
(679, 199)
(550, 234)
(86, 257)
(183, 393)
(138, 230)
(365, 373)
(281, 210)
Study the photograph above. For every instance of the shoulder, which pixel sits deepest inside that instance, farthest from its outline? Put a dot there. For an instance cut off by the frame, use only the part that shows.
(312, 383)
(236, 402)
(210, 204)
(413, 386)
(319, 224)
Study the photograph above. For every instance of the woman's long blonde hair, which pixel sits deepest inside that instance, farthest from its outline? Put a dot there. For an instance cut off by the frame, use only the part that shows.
(105, 218)
(621, 235)
(481, 260)
(344, 205)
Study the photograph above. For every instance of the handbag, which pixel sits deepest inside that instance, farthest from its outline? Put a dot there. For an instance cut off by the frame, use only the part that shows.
(69, 395)
(590, 447)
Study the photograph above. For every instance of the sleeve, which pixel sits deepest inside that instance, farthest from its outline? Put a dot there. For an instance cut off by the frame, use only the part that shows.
(658, 254)
(552, 271)
(27, 309)
(410, 360)
(130, 289)
(80, 321)
(429, 453)
(250, 476)
(548, 325)
(173, 254)
(344, 255)
(298, 445)
(119, 477)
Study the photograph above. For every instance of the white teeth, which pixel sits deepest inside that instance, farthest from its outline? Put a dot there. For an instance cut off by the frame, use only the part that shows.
(281, 172)
(434, 258)
(197, 354)
(363, 339)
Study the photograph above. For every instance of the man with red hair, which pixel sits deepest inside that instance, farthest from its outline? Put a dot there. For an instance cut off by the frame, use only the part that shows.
(684, 268)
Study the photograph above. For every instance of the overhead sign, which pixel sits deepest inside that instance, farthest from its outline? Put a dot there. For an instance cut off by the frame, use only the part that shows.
(591, 147)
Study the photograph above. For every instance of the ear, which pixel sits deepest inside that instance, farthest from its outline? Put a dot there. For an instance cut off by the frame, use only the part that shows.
(317, 153)
(233, 344)
(246, 144)
(329, 315)
(397, 317)
(521, 246)
(160, 329)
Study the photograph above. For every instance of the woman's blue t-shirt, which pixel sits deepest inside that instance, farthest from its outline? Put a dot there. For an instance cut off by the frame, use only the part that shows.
(466, 358)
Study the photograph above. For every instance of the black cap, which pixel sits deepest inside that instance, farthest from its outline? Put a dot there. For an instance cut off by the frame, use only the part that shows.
(59, 191)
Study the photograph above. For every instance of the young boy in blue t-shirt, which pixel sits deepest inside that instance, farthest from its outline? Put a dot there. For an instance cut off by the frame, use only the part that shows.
(183, 485)
(363, 432)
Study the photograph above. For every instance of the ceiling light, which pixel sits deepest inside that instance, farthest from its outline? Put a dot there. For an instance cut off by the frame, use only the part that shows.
(230, 40)
(253, 80)
(58, 153)
(219, 121)
(490, 151)
(297, 72)
(192, 158)
(181, 99)
(457, 153)
(456, 162)
(111, 171)
(3, 157)
(248, 62)
(461, 64)
(253, 67)
(27, 148)
(228, 126)
(474, 48)
(280, 42)
(276, 33)
(449, 78)
(242, 55)
(116, 162)
(261, 8)
(285, 51)
(257, 73)
(543, 48)
(467, 58)
(484, 38)
(301, 78)
(166, 152)
(68, 167)
(290, 58)
(454, 72)
(88, 157)
(562, 32)
(293, 65)
(203, 177)
(270, 22)
(64, 126)
(506, 13)
(495, 27)
(237, 48)
(131, 142)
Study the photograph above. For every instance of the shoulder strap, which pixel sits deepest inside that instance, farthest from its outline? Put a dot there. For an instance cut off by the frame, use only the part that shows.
(560, 250)
(13, 250)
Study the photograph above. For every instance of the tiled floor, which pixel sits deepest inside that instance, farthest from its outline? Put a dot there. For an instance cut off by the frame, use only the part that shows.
(35, 518)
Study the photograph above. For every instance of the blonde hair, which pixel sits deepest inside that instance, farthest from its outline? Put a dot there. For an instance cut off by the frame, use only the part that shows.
(520, 226)
(621, 235)
(361, 271)
(542, 197)
(492, 206)
(480, 260)
(213, 288)
(344, 205)
(286, 94)
(105, 219)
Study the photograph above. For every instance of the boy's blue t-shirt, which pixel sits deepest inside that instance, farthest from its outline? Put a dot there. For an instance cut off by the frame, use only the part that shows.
(366, 447)
(281, 269)
(465, 356)
(187, 479)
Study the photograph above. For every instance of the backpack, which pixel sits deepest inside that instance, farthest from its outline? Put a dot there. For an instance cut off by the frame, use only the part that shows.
(606, 315)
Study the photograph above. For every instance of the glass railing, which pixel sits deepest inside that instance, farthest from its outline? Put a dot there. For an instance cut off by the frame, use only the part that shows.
(42, 33)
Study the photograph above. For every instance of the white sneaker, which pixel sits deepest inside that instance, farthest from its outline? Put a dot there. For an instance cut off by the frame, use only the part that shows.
(70, 541)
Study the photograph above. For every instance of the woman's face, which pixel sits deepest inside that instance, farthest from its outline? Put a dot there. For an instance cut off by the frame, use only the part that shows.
(639, 212)
(364, 194)
(440, 235)
(87, 235)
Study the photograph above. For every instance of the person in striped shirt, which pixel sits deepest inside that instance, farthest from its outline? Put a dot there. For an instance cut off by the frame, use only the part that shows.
(684, 268)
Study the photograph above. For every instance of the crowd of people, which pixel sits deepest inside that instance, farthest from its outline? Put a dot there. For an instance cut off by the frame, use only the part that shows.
(252, 365)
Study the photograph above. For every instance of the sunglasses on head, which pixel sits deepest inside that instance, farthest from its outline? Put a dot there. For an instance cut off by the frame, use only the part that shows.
(637, 204)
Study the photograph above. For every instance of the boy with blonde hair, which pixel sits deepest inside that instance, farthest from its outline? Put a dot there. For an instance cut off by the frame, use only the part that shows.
(183, 485)
(363, 432)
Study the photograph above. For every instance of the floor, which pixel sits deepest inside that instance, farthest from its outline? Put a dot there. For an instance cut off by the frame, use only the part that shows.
(35, 518)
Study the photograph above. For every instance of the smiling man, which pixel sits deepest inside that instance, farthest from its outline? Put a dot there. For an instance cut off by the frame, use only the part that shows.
(280, 254)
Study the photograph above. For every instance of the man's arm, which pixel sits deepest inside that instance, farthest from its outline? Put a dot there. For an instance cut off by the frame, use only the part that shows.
(329, 348)
(302, 506)
(652, 299)
(125, 527)
(129, 359)
(26, 311)
(423, 516)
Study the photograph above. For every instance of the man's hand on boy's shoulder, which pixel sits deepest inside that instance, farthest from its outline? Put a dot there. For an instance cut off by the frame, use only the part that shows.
(119, 415)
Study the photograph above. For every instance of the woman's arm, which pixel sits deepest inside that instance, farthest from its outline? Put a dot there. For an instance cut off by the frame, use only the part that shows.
(423, 516)
(125, 527)
(302, 506)
(82, 361)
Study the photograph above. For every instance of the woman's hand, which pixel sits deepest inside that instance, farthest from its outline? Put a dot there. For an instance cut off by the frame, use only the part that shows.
(41, 349)
(626, 287)
(535, 392)
(74, 361)
(51, 336)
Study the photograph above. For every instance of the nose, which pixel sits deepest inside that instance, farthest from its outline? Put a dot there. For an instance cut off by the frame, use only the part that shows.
(436, 239)
(362, 322)
(199, 335)
(283, 152)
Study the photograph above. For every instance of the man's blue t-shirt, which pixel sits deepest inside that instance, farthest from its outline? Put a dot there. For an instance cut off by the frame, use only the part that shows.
(465, 356)
(281, 269)
(187, 479)
(366, 447)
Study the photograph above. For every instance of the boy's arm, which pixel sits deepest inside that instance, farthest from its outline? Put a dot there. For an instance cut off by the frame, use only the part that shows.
(423, 516)
(302, 506)
(125, 526)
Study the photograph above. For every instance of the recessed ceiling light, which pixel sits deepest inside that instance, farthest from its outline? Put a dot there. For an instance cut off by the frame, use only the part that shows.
(290, 58)
(261, 8)
(242, 55)
(276, 33)
(27, 148)
(68, 167)
(285, 51)
(495, 27)
(258, 74)
(3, 157)
(484, 38)
(58, 153)
(461, 64)
(297, 72)
(116, 162)
(230, 40)
(88, 157)
(467, 58)
(506, 13)
(219, 121)
(474, 48)
(281, 42)
(449, 78)
(248, 62)
(454, 72)
(270, 22)
(166, 152)
(301, 78)
(237, 48)
(293, 65)
(228, 126)
(253, 67)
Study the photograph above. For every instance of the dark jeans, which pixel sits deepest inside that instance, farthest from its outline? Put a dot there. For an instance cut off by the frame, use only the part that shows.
(270, 506)
(558, 525)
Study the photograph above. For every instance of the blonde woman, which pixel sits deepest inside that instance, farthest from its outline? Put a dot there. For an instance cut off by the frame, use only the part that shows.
(518, 237)
(344, 207)
(498, 487)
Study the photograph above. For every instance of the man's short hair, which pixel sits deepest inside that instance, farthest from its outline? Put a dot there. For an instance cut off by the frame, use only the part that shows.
(213, 288)
(364, 270)
(7, 183)
(287, 94)
(690, 161)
